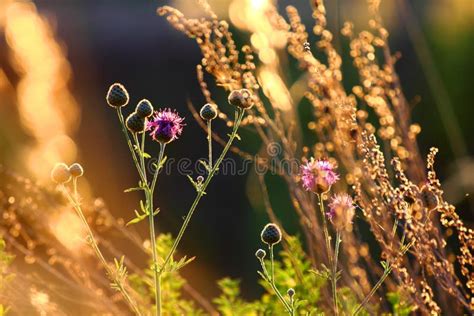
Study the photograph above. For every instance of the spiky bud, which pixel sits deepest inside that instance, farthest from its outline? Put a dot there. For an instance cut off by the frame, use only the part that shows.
(135, 123)
(241, 98)
(117, 96)
(76, 170)
(271, 234)
(208, 112)
(60, 173)
(260, 254)
(291, 292)
(144, 108)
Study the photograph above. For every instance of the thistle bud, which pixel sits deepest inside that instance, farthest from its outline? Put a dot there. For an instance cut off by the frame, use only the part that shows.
(341, 211)
(208, 112)
(76, 170)
(60, 173)
(241, 98)
(144, 108)
(135, 123)
(271, 234)
(260, 254)
(290, 292)
(117, 96)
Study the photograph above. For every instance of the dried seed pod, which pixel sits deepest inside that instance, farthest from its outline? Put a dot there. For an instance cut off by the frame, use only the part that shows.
(241, 98)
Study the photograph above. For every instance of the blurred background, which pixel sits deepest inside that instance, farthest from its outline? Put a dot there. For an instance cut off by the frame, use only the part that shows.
(58, 58)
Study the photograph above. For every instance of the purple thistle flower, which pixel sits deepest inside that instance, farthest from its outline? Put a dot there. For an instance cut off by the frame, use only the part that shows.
(165, 125)
(341, 210)
(318, 175)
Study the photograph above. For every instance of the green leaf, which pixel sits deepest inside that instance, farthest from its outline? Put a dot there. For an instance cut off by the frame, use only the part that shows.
(133, 189)
(137, 219)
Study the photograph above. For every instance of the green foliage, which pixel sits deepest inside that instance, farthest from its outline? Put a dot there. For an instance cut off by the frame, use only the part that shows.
(400, 304)
(172, 282)
(292, 271)
(5, 276)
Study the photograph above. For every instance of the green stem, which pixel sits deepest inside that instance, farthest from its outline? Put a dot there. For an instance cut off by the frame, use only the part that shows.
(334, 271)
(93, 242)
(374, 289)
(271, 281)
(386, 273)
(130, 146)
(209, 140)
(202, 190)
(325, 227)
(149, 195)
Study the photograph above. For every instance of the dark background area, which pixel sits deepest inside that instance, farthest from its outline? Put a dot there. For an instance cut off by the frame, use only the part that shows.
(125, 41)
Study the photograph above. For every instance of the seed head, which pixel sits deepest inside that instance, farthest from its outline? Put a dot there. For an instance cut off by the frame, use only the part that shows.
(60, 173)
(165, 126)
(318, 175)
(144, 108)
(260, 254)
(341, 211)
(135, 123)
(290, 292)
(76, 170)
(241, 98)
(271, 234)
(117, 96)
(208, 112)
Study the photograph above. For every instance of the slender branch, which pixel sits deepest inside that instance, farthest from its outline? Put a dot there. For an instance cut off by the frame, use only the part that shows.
(209, 141)
(93, 242)
(269, 277)
(334, 271)
(129, 143)
(238, 118)
(149, 194)
(325, 227)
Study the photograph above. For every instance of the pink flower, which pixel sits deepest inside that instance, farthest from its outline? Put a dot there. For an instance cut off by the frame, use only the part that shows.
(341, 211)
(165, 126)
(318, 175)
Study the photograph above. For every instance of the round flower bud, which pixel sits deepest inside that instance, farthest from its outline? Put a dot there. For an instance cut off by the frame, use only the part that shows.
(241, 98)
(271, 234)
(208, 112)
(290, 292)
(76, 170)
(135, 123)
(260, 254)
(117, 96)
(144, 108)
(60, 173)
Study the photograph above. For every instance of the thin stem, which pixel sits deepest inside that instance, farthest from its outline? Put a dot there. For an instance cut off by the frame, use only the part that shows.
(386, 273)
(95, 247)
(334, 271)
(272, 266)
(149, 195)
(374, 289)
(201, 191)
(271, 281)
(129, 143)
(325, 227)
(209, 141)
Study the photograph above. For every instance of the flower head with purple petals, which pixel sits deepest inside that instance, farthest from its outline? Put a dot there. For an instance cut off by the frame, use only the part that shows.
(165, 125)
(341, 210)
(318, 175)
